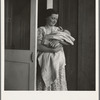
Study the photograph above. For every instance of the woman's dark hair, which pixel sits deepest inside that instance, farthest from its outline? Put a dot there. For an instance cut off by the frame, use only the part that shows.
(49, 12)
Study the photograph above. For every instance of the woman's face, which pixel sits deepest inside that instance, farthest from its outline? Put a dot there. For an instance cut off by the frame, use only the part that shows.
(52, 20)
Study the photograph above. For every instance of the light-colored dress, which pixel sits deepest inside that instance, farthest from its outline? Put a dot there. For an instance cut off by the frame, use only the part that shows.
(52, 76)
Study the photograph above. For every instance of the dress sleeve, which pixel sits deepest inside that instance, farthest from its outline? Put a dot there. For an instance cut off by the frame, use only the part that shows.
(39, 35)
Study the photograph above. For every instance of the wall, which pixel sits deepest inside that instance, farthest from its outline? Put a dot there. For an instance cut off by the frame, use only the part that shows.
(86, 45)
(42, 5)
(78, 16)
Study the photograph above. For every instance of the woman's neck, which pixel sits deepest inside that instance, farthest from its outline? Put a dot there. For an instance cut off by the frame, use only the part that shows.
(49, 27)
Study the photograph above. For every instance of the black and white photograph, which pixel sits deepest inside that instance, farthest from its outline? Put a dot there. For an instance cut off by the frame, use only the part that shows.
(50, 45)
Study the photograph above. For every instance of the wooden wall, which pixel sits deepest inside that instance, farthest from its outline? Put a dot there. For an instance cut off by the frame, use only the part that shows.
(78, 17)
(86, 45)
(42, 5)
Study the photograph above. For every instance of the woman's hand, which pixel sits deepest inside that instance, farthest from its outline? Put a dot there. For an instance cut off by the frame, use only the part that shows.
(54, 43)
(43, 48)
(58, 48)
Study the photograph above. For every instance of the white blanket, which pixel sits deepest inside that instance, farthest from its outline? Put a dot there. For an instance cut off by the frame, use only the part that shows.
(61, 36)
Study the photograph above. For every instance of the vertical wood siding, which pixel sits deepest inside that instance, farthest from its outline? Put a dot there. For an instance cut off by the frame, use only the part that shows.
(86, 45)
(78, 16)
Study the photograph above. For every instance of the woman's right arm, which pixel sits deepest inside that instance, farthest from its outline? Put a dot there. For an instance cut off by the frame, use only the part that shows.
(43, 48)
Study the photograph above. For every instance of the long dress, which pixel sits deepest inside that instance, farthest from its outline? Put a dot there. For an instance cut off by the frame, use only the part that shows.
(51, 74)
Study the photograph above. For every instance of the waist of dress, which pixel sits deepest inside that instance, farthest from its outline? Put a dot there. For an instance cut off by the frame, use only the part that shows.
(40, 52)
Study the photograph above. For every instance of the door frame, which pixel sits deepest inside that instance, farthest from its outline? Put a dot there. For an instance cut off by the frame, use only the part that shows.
(33, 25)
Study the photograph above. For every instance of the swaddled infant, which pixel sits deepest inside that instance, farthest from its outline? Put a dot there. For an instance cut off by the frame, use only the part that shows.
(58, 37)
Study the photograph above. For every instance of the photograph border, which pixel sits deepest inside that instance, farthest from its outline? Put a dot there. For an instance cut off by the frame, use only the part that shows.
(30, 95)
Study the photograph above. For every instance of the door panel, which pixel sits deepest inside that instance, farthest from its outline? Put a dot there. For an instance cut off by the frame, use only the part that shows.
(17, 75)
(18, 55)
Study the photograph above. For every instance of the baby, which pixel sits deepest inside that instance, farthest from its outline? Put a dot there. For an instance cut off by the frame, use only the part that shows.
(58, 37)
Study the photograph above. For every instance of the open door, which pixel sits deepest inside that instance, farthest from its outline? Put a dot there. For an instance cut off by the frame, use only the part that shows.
(20, 44)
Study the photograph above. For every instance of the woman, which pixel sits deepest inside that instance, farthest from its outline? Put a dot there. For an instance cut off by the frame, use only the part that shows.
(51, 60)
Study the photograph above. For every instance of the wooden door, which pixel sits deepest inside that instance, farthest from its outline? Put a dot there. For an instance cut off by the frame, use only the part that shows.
(20, 44)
